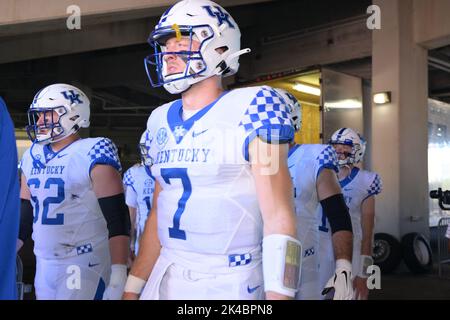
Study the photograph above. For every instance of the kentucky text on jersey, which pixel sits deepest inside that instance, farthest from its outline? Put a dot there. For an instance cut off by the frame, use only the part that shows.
(183, 155)
(48, 170)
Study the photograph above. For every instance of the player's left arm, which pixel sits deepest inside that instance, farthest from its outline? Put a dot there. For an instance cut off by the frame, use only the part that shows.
(107, 185)
(281, 249)
(367, 225)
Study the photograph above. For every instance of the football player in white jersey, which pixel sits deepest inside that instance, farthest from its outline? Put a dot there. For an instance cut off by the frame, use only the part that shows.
(222, 224)
(359, 187)
(139, 184)
(72, 201)
(313, 170)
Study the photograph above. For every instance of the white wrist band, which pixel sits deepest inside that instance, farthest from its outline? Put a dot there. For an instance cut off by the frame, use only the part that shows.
(118, 275)
(134, 284)
(281, 264)
(364, 263)
(343, 264)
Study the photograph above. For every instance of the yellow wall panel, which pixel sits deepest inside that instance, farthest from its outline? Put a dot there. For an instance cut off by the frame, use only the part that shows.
(310, 131)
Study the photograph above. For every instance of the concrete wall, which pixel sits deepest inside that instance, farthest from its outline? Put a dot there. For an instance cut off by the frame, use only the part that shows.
(32, 29)
(399, 129)
(17, 12)
(431, 23)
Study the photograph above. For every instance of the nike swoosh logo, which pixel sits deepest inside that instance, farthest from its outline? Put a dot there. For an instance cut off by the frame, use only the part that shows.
(93, 264)
(61, 155)
(196, 134)
(291, 166)
(251, 290)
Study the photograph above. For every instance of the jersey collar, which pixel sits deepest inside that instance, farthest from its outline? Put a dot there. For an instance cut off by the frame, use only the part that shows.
(49, 154)
(349, 178)
(179, 127)
(292, 150)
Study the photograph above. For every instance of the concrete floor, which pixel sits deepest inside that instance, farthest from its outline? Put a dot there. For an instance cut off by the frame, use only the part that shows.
(406, 286)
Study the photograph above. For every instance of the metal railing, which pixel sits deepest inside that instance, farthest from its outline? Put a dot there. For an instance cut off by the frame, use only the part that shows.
(442, 244)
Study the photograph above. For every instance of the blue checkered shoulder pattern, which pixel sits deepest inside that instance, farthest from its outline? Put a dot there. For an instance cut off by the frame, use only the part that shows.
(268, 112)
(328, 159)
(105, 152)
(128, 179)
(376, 186)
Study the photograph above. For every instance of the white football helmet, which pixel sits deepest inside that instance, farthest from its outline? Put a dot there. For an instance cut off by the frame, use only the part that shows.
(209, 24)
(295, 108)
(69, 103)
(144, 148)
(351, 138)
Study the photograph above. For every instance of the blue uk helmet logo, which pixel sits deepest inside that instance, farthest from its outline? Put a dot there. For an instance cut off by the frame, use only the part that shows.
(72, 96)
(219, 15)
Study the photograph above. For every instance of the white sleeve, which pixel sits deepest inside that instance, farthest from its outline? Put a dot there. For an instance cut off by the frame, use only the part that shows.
(267, 117)
(375, 187)
(131, 198)
(327, 159)
(104, 152)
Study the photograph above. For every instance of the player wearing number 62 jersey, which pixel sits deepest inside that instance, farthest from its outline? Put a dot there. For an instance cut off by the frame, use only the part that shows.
(72, 201)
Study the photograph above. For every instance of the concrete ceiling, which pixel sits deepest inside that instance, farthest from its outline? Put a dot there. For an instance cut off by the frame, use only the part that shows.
(105, 58)
(439, 73)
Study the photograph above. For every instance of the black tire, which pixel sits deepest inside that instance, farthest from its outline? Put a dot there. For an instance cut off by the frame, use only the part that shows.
(387, 253)
(417, 254)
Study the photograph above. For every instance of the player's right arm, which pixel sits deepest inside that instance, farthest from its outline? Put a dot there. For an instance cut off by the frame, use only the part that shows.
(149, 249)
(333, 205)
(26, 213)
